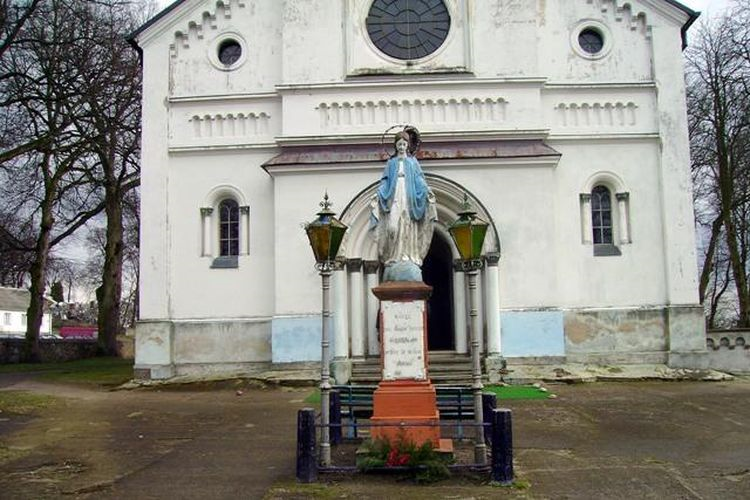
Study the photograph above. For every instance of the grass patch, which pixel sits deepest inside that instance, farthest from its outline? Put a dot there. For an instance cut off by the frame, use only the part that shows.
(517, 392)
(10, 454)
(23, 403)
(296, 490)
(108, 371)
(313, 398)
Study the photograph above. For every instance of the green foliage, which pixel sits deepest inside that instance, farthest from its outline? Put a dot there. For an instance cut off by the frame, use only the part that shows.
(424, 461)
(56, 292)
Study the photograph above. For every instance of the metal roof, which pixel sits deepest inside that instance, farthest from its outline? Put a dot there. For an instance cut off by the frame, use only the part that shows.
(17, 299)
(366, 153)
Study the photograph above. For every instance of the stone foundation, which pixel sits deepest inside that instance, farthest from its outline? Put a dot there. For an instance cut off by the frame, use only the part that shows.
(729, 350)
(674, 336)
(165, 349)
(52, 350)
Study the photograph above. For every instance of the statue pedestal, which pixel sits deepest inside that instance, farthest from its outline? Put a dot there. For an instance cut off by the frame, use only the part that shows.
(405, 395)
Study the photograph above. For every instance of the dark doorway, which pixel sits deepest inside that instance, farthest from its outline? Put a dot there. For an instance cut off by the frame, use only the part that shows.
(437, 271)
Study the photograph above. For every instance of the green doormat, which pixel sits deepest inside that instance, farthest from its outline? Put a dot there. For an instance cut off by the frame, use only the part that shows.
(517, 392)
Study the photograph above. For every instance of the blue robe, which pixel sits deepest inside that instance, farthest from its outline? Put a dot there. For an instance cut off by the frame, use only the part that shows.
(417, 191)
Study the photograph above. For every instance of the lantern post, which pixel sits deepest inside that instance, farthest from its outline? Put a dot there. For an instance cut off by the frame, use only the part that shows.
(468, 232)
(325, 234)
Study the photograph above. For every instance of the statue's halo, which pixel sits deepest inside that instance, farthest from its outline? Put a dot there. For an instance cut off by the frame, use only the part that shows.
(414, 143)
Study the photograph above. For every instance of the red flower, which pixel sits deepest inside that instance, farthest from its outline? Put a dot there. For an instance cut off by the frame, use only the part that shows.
(397, 459)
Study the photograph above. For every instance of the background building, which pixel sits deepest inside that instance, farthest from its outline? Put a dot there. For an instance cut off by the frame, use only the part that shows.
(14, 302)
(564, 122)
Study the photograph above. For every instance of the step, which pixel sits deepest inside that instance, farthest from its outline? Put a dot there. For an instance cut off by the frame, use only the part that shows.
(444, 368)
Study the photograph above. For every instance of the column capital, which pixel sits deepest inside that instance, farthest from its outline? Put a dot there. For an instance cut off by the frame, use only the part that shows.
(245, 209)
(339, 263)
(585, 197)
(622, 196)
(371, 266)
(492, 258)
(354, 265)
(206, 211)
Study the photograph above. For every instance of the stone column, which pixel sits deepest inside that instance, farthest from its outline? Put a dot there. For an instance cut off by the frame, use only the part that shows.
(357, 316)
(206, 227)
(479, 306)
(341, 365)
(373, 306)
(493, 304)
(586, 229)
(459, 309)
(244, 230)
(623, 216)
(493, 362)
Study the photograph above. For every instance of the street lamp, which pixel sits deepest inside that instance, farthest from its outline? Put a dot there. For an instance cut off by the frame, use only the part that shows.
(468, 233)
(325, 234)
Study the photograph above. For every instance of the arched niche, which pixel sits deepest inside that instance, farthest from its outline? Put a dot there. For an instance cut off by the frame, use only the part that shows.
(449, 196)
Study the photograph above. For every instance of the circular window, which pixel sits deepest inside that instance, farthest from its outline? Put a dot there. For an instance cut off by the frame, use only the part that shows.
(229, 52)
(408, 29)
(591, 41)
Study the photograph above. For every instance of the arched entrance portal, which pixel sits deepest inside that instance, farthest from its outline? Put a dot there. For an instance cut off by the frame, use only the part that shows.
(437, 271)
(355, 308)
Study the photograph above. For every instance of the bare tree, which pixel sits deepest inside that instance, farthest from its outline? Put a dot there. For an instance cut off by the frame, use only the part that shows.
(718, 77)
(13, 16)
(109, 85)
(70, 98)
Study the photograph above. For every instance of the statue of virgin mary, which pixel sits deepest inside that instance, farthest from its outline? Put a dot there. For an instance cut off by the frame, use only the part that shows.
(403, 213)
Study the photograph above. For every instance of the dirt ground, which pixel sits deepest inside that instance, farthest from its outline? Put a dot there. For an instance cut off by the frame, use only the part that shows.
(603, 440)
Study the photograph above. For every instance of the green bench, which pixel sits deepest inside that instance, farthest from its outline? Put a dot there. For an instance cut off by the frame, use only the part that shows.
(455, 403)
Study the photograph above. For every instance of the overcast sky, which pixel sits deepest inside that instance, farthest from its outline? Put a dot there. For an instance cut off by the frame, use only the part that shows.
(710, 7)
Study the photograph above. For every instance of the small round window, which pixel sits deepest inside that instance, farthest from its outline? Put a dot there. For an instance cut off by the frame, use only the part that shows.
(591, 41)
(229, 52)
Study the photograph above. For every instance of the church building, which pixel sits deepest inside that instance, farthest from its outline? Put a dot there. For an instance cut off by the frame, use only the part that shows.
(563, 122)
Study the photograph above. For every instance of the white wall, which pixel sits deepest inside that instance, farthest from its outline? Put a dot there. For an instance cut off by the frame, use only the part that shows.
(509, 71)
(14, 323)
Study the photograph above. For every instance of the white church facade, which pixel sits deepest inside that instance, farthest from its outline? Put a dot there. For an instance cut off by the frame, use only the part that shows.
(563, 121)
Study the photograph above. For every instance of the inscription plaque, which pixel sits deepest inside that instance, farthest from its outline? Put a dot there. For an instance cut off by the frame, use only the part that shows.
(403, 340)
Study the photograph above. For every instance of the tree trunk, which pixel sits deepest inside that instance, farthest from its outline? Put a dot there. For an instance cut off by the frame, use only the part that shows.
(109, 293)
(35, 312)
(709, 260)
(726, 187)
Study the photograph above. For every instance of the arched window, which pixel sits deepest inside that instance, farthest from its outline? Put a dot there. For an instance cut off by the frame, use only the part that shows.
(605, 214)
(601, 216)
(229, 228)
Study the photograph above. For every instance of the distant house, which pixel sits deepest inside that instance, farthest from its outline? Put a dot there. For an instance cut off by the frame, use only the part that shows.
(14, 302)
